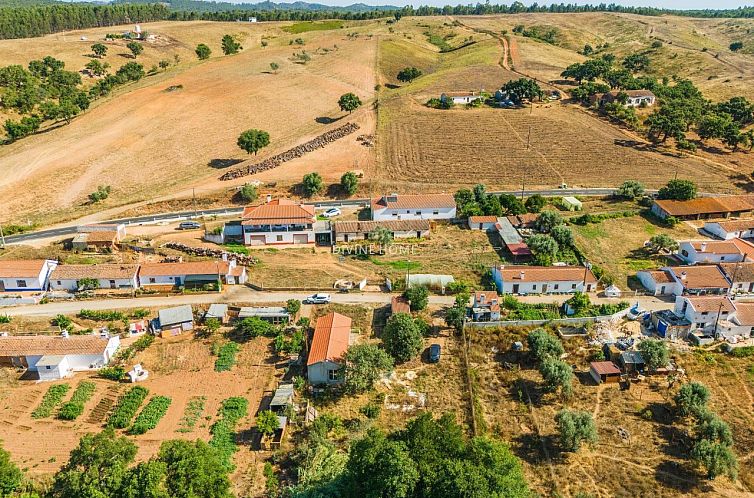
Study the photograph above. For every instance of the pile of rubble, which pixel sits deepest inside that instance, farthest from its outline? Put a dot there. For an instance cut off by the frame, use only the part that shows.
(241, 259)
(294, 153)
(366, 140)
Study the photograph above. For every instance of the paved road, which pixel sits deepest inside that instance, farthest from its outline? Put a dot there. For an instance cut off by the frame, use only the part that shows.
(238, 294)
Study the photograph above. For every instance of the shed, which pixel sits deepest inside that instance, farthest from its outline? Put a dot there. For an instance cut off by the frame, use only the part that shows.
(217, 311)
(272, 314)
(604, 371)
(282, 398)
(572, 204)
(53, 367)
(669, 325)
(332, 336)
(631, 362)
(173, 321)
(612, 291)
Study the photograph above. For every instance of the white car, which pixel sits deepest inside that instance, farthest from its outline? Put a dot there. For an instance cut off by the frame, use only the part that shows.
(332, 213)
(319, 298)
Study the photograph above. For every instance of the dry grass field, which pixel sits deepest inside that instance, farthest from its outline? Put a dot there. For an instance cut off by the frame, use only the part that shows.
(651, 461)
(181, 368)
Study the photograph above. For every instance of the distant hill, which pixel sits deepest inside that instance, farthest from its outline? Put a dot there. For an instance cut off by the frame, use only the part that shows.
(212, 6)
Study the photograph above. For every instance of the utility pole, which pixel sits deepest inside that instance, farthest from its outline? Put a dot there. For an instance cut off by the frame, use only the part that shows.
(193, 200)
(408, 273)
(2, 238)
(719, 309)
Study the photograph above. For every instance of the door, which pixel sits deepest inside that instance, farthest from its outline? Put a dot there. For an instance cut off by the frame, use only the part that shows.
(300, 238)
(2, 285)
(256, 240)
(544, 288)
(751, 286)
(178, 281)
(662, 290)
(515, 288)
(112, 284)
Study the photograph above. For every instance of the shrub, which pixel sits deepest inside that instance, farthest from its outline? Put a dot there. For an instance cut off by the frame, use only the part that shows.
(51, 399)
(418, 297)
(75, 407)
(127, 406)
(112, 373)
(692, 398)
(575, 427)
(402, 337)
(544, 345)
(62, 321)
(742, 352)
(248, 193)
(371, 410)
(103, 316)
(150, 415)
(226, 357)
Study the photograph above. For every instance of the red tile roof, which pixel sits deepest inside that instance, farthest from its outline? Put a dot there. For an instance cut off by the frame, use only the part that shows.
(711, 303)
(700, 277)
(392, 225)
(48, 345)
(23, 268)
(331, 338)
(745, 313)
(739, 272)
(523, 220)
(399, 304)
(415, 201)
(604, 368)
(732, 246)
(736, 225)
(482, 219)
(278, 212)
(708, 205)
(103, 271)
(547, 274)
(519, 249)
(660, 276)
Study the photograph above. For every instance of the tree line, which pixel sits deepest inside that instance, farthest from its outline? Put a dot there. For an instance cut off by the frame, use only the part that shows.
(22, 21)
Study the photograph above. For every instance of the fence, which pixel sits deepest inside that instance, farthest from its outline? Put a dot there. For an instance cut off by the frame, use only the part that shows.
(571, 321)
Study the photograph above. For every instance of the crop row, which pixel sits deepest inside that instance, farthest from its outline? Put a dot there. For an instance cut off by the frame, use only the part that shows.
(226, 357)
(223, 431)
(71, 409)
(51, 399)
(191, 414)
(127, 406)
(150, 415)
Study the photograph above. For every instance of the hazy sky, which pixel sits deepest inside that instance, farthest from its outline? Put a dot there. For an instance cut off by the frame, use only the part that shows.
(669, 4)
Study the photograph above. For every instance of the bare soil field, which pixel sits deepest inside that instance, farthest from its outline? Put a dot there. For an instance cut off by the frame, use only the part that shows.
(146, 141)
(652, 460)
(181, 368)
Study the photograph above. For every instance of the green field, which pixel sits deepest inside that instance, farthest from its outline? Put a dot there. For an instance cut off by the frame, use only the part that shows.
(303, 27)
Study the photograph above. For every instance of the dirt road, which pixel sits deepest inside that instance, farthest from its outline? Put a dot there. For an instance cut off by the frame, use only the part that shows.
(247, 295)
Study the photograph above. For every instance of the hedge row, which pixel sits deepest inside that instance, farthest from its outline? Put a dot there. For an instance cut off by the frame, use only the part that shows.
(150, 415)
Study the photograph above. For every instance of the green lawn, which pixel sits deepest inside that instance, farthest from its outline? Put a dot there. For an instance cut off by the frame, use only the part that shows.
(303, 27)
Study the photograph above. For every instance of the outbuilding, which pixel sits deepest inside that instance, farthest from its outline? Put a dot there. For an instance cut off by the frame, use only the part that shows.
(174, 321)
(604, 372)
(632, 362)
(332, 336)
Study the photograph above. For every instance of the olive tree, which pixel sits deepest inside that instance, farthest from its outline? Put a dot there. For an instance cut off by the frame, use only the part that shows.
(252, 141)
(575, 427)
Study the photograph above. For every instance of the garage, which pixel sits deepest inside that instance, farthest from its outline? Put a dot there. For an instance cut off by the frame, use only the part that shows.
(300, 238)
(256, 240)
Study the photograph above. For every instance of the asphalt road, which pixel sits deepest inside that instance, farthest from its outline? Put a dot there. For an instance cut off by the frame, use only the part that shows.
(185, 215)
(240, 294)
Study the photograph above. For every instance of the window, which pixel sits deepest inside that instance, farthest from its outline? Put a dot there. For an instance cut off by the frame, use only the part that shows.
(534, 287)
(685, 252)
(278, 238)
(705, 313)
(152, 280)
(418, 213)
(435, 213)
(332, 375)
(48, 367)
(555, 286)
(573, 286)
(395, 214)
(21, 283)
(60, 283)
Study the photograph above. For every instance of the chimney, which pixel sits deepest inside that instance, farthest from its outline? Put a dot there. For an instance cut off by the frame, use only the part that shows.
(521, 275)
(269, 197)
(683, 276)
(703, 247)
(64, 334)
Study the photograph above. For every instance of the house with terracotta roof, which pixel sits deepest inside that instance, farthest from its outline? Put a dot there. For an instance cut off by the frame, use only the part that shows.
(108, 276)
(192, 274)
(718, 315)
(332, 336)
(414, 207)
(56, 357)
(715, 251)
(634, 98)
(485, 306)
(731, 229)
(705, 207)
(482, 222)
(678, 280)
(543, 279)
(350, 231)
(279, 221)
(25, 275)
(740, 276)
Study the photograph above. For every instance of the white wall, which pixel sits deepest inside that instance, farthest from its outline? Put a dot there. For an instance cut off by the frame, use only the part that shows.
(72, 285)
(31, 283)
(382, 214)
(317, 373)
(687, 252)
(531, 287)
(272, 238)
(657, 289)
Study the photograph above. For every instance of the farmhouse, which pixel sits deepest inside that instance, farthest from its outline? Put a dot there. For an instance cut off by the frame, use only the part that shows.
(107, 276)
(732, 229)
(174, 321)
(543, 279)
(332, 336)
(414, 207)
(705, 207)
(25, 275)
(715, 251)
(279, 221)
(604, 372)
(193, 274)
(460, 98)
(399, 304)
(634, 98)
(56, 357)
(740, 276)
(704, 311)
(677, 280)
(349, 231)
(482, 222)
(485, 306)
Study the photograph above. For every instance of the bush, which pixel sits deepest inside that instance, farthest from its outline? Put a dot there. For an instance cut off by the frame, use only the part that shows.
(51, 399)
(127, 406)
(150, 415)
(742, 352)
(63, 322)
(418, 297)
(692, 398)
(248, 193)
(103, 316)
(371, 410)
(254, 326)
(112, 373)
(349, 182)
(544, 345)
(575, 427)
(402, 337)
(312, 184)
(226, 357)
(223, 435)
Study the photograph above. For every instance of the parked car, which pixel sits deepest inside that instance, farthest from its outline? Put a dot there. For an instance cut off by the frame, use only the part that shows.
(332, 213)
(319, 298)
(189, 225)
(635, 312)
(434, 353)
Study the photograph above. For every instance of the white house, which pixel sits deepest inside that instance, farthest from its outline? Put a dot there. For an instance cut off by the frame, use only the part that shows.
(332, 336)
(25, 275)
(278, 221)
(108, 276)
(715, 251)
(717, 315)
(677, 280)
(732, 229)
(460, 98)
(56, 357)
(543, 279)
(634, 98)
(740, 276)
(414, 207)
(484, 223)
(196, 274)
